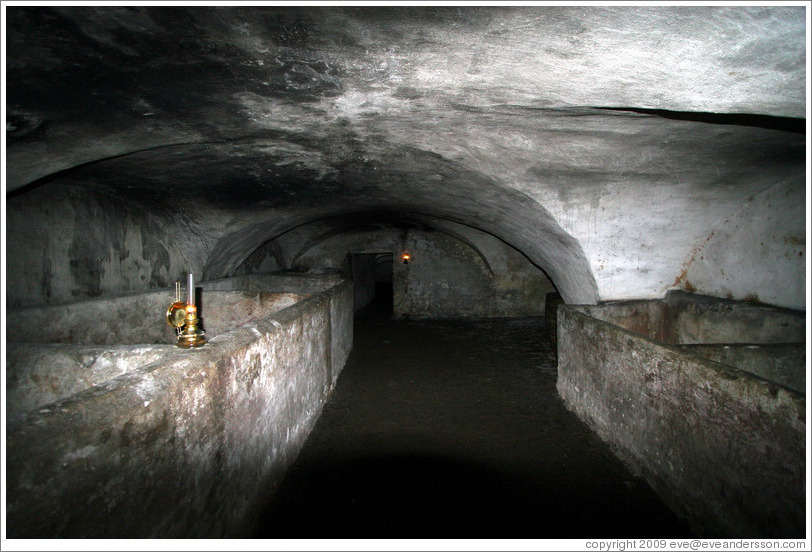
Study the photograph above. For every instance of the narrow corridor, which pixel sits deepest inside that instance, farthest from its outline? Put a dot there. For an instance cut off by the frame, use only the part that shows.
(454, 429)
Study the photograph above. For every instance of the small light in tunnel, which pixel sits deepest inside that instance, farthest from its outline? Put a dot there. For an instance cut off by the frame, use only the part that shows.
(406, 257)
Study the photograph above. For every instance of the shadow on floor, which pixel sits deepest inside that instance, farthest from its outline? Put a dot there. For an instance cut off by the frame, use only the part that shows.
(437, 498)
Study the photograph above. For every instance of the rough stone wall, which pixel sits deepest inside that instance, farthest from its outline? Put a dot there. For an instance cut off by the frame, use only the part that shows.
(697, 319)
(275, 283)
(688, 318)
(782, 363)
(447, 278)
(724, 450)
(444, 277)
(188, 447)
(341, 330)
(341, 303)
(67, 243)
(56, 352)
(136, 318)
(38, 374)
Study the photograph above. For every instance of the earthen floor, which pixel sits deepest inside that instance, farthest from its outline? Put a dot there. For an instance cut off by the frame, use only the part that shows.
(454, 429)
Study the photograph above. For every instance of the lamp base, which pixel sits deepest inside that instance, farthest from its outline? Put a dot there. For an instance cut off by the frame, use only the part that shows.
(192, 335)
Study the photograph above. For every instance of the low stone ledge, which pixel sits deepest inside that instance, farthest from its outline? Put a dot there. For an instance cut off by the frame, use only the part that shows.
(724, 449)
(190, 446)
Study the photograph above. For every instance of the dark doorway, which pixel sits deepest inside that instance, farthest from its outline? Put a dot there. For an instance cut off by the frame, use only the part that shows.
(372, 280)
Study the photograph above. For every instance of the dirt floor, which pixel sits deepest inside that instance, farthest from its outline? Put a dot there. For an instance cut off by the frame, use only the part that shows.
(453, 429)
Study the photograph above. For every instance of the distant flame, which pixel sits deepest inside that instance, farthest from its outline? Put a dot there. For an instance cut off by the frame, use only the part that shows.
(406, 258)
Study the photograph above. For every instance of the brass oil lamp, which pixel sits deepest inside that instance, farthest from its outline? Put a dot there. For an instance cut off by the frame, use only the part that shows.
(183, 317)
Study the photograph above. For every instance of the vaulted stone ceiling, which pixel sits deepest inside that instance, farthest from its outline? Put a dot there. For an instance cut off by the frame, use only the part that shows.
(624, 150)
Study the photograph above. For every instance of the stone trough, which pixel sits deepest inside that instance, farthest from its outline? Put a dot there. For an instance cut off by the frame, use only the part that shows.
(113, 431)
(703, 397)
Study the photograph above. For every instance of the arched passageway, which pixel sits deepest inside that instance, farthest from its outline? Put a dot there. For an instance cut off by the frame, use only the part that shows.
(611, 153)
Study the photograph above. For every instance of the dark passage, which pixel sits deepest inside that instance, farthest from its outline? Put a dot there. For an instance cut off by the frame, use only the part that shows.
(454, 429)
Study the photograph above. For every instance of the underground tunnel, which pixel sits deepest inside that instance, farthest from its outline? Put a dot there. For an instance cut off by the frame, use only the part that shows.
(405, 272)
